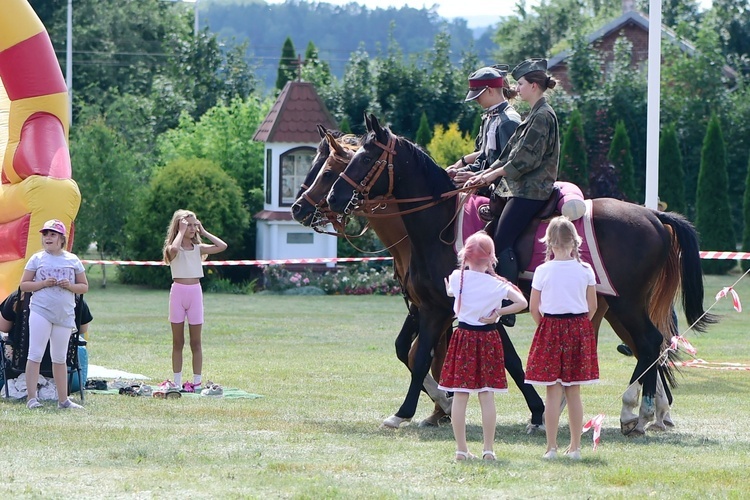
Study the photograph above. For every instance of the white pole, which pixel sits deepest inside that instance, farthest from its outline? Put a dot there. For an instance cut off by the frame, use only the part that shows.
(195, 28)
(654, 95)
(69, 62)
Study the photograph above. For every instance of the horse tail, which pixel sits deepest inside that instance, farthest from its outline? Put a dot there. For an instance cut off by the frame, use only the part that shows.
(685, 249)
(664, 290)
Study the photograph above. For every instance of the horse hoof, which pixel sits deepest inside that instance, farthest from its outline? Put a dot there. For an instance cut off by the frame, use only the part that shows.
(393, 422)
(657, 426)
(428, 422)
(444, 420)
(628, 427)
(532, 429)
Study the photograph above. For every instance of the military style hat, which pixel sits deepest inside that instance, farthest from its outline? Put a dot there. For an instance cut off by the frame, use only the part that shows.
(528, 66)
(483, 78)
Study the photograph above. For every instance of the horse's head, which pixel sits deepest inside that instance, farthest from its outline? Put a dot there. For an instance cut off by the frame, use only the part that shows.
(320, 158)
(312, 201)
(362, 177)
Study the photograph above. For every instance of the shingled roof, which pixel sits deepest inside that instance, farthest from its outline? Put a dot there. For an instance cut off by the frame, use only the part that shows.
(295, 115)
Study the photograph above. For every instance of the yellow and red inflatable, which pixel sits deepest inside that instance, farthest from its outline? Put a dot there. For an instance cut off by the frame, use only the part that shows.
(36, 170)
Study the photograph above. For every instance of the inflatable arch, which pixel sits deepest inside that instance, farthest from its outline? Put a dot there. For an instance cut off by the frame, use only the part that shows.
(36, 170)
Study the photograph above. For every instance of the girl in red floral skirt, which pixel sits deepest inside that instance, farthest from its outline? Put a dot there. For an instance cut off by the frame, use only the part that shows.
(563, 352)
(475, 363)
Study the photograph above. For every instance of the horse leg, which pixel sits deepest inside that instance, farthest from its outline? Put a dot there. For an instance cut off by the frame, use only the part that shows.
(662, 407)
(430, 327)
(628, 416)
(406, 345)
(601, 309)
(630, 324)
(515, 369)
(443, 403)
(405, 338)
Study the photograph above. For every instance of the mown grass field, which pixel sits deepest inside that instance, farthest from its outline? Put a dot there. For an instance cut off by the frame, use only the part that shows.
(328, 375)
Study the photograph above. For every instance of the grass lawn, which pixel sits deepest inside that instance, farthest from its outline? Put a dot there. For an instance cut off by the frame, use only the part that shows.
(328, 374)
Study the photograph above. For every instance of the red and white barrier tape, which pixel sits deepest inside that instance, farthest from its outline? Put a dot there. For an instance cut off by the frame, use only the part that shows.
(725, 255)
(322, 260)
(708, 365)
(277, 262)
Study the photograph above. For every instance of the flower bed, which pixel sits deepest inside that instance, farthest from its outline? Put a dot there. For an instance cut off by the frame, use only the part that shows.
(362, 279)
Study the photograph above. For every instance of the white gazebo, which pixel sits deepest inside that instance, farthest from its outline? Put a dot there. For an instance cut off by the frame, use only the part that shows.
(290, 134)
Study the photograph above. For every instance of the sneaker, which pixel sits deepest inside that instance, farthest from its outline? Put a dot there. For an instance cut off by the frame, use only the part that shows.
(550, 455)
(33, 403)
(69, 405)
(144, 390)
(213, 391)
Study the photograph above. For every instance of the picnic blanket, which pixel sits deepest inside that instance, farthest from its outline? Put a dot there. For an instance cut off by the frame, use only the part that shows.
(229, 393)
(96, 371)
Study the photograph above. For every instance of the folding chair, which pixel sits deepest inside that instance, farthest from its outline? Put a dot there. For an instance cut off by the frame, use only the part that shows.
(18, 339)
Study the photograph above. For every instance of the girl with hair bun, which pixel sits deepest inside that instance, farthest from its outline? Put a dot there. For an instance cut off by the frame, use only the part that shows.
(475, 362)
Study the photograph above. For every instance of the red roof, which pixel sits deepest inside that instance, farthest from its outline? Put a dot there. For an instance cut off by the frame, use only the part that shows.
(273, 215)
(295, 115)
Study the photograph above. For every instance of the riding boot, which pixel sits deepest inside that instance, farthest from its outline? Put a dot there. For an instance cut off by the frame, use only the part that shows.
(507, 267)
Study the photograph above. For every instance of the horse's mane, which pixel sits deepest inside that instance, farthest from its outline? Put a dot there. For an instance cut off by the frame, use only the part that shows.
(437, 178)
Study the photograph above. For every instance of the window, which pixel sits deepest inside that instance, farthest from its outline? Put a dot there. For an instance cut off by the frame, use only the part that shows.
(269, 176)
(300, 238)
(295, 164)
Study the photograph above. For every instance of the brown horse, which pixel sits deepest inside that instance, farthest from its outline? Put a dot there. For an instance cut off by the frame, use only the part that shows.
(392, 233)
(648, 256)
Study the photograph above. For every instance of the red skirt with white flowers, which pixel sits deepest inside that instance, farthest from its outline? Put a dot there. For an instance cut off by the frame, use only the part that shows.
(563, 351)
(474, 362)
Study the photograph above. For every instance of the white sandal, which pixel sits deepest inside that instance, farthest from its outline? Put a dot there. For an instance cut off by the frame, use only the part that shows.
(464, 455)
(488, 455)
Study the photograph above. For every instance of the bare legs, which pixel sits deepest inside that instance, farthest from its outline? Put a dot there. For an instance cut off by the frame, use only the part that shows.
(552, 414)
(458, 420)
(178, 343)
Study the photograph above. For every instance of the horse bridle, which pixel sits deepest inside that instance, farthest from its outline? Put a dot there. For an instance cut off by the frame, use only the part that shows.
(361, 190)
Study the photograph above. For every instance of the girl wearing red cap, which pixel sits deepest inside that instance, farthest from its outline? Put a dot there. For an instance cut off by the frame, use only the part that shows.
(526, 170)
(55, 277)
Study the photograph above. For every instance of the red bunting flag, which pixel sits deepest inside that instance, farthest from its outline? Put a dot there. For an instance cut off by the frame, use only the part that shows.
(596, 424)
(735, 298)
(679, 339)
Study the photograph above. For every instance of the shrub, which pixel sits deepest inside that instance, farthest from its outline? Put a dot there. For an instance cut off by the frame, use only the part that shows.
(197, 185)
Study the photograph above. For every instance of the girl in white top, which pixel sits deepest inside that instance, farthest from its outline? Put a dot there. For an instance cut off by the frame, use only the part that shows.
(184, 252)
(475, 362)
(54, 276)
(563, 352)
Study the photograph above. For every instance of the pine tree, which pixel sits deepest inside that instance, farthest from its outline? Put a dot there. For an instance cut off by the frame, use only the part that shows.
(622, 159)
(424, 133)
(713, 219)
(574, 163)
(287, 64)
(671, 173)
(344, 126)
(746, 213)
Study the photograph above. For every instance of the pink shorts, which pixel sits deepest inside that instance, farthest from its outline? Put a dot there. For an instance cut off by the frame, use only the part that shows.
(186, 301)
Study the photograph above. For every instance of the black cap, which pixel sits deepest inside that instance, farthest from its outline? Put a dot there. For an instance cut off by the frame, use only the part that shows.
(483, 78)
(528, 66)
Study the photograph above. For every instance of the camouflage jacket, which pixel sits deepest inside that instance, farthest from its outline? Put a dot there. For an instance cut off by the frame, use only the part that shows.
(531, 157)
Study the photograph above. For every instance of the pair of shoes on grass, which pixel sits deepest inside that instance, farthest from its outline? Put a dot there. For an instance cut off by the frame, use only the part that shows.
(213, 390)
